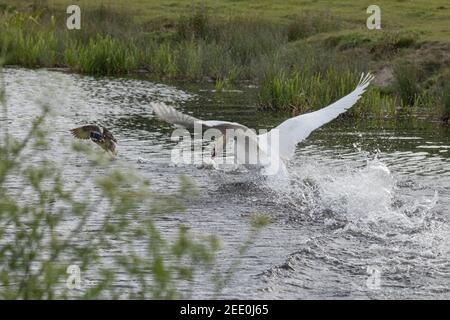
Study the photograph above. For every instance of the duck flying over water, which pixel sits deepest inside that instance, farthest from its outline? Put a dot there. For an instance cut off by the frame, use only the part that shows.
(287, 135)
(101, 136)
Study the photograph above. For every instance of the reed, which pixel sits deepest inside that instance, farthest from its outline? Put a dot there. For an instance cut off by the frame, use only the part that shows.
(102, 56)
(443, 100)
(407, 83)
(304, 91)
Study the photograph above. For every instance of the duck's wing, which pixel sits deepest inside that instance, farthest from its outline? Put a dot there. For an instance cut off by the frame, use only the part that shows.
(107, 134)
(84, 132)
(175, 117)
(296, 129)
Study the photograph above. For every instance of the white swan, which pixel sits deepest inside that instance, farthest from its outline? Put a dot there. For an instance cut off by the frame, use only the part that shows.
(275, 147)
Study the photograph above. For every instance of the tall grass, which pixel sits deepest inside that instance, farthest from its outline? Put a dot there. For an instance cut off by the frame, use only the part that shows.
(102, 56)
(198, 47)
(303, 91)
(190, 64)
(443, 94)
(407, 83)
(162, 61)
(31, 50)
(296, 67)
(306, 24)
(194, 26)
(25, 47)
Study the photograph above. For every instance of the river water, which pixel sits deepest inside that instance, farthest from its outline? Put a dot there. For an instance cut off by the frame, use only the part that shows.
(365, 213)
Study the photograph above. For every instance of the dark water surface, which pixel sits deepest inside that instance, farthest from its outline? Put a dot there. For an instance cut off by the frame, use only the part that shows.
(365, 213)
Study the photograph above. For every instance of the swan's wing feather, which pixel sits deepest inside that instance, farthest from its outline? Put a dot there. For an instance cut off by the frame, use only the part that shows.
(296, 129)
(224, 125)
(173, 116)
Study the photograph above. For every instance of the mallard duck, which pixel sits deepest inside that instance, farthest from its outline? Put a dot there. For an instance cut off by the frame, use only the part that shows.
(101, 136)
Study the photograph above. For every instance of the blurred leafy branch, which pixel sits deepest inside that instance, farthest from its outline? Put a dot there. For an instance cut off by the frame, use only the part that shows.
(106, 224)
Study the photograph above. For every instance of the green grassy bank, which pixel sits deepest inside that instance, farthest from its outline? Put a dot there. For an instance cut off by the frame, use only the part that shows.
(301, 54)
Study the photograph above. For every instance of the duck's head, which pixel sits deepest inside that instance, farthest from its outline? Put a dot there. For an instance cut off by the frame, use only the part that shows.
(112, 148)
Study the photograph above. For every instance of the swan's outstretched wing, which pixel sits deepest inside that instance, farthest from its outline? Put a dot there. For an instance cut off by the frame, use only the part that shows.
(172, 116)
(296, 129)
(175, 117)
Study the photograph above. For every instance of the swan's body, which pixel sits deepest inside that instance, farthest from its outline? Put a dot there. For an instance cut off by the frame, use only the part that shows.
(277, 146)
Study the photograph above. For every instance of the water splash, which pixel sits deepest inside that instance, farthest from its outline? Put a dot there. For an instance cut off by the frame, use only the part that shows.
(365, 199)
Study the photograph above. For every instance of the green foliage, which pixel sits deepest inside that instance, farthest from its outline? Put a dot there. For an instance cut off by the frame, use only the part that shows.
(301, 92)
(442, 95)
(190, 63)
(310, 23)
(305, 91)
(284, 58)
(102, 56)
(407, 82)
(162, 61)
(221, 84)
(380, 45)
(194, 26)
(30, 49)
(446, 102)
